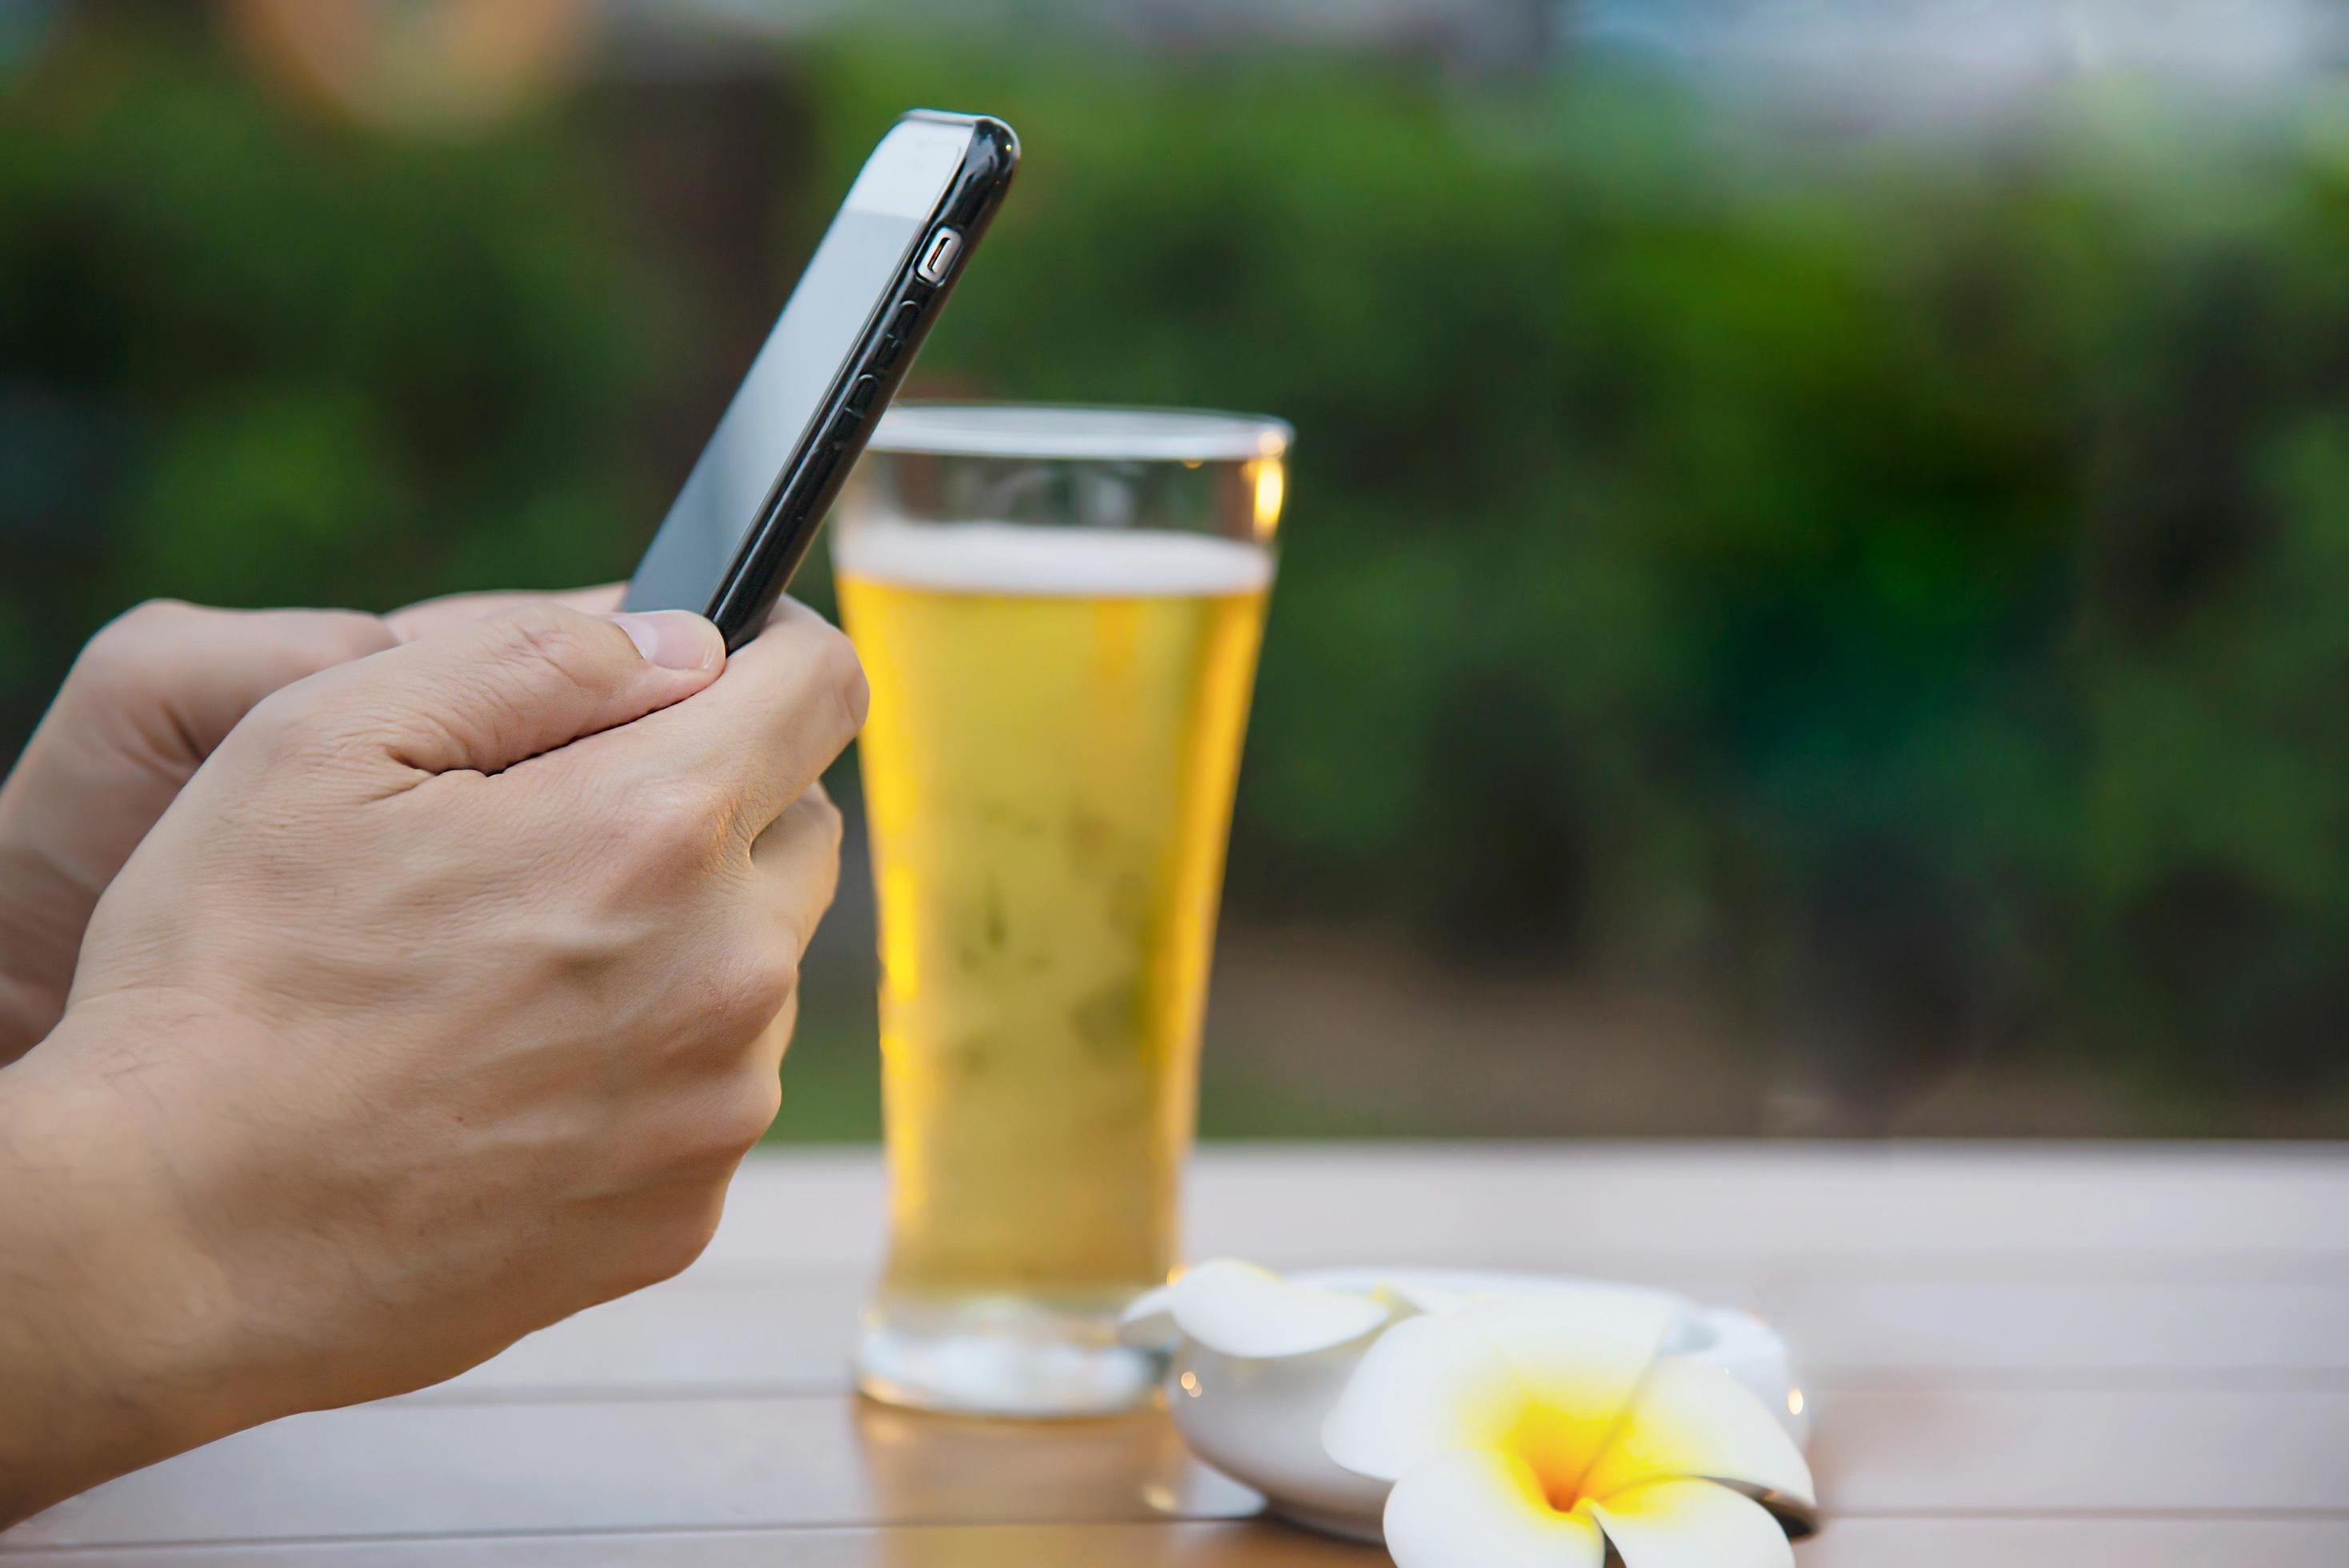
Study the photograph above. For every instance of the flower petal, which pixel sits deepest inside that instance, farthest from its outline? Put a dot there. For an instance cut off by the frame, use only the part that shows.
(1581, 1358)
(1594, 1345)
(1477, 1508)
(1425, 1385)
(1239, 1309)
(1692, 1524)
(1692, 1421)
(1464, 1378)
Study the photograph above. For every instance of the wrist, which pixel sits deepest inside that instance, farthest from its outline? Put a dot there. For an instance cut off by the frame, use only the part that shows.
(115, 1344)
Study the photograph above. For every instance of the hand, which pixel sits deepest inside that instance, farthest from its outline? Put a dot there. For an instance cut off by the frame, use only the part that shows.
(438, 1007)
(148, 700)
(146, 703)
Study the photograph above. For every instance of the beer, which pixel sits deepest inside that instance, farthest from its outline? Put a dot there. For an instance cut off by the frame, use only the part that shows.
(1055, 729)
(1058, 609)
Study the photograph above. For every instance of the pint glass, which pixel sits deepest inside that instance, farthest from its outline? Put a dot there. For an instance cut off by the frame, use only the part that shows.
(1059, 611)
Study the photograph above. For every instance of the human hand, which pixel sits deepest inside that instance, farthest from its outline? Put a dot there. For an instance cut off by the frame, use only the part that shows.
(147, 701)
(438, 1007)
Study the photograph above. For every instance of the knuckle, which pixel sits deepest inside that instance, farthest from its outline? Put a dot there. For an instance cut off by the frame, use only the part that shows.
(747, 1113)
(152, 615)
(823, 816)
(699, 1228)
(665, 825)
(746, 991)
(774, 977)
(681, 1239)
(310, 727)
(559, 640)
(129, 647)
(288, 724)
(575, 950)
(344, 635)
(152, 619)
(840, 671)
(728, 1122)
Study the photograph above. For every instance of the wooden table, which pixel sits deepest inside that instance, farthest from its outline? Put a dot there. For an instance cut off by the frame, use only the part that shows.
(2021, 1355)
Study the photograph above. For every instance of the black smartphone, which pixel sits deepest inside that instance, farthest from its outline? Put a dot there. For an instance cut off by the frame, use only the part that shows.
(877, 280)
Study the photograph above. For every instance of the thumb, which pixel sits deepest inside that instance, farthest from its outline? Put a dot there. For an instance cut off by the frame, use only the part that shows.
(486, 696)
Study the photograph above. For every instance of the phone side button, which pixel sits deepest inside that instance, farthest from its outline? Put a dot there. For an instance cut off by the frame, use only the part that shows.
(843, 426)
(860, 394)
(938, 257)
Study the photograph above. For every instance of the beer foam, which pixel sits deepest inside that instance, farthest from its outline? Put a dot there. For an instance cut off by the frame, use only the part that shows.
(1019, 560)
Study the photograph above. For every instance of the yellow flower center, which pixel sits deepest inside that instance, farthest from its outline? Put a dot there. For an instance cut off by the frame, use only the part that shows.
(1553, 1445)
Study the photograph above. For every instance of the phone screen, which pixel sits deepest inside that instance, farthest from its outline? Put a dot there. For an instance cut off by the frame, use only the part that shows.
(886, 213)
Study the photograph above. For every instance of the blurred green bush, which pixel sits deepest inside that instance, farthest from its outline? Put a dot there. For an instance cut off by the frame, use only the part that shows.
(247, 358)
(1902, 584)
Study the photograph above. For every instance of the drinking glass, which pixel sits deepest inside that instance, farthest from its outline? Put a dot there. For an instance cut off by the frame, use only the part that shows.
(1059, 610)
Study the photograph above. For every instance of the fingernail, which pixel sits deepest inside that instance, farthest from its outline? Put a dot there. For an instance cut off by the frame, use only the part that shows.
(673, 639)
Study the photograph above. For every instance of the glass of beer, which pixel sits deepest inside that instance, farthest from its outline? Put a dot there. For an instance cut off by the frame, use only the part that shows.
(1059, 611)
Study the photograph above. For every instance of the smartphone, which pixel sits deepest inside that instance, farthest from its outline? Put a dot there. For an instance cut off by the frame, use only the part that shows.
(875, 284)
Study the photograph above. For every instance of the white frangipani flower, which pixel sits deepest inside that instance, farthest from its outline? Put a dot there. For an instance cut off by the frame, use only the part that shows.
(1260, 1366)
(1521, 1434)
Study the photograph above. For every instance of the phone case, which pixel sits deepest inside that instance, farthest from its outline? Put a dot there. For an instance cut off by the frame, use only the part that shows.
(870, 378)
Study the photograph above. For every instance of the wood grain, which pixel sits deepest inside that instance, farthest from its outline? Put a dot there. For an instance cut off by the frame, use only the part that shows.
(1857, 1543)
(658, 1463)
(2019, 1354)
(712, 1333)
(2059, 1211)
(2079, 1543)
(2064, 1332)
(1961, 1451)
(1172, 1545)
(643, 1464)
(696, 1333)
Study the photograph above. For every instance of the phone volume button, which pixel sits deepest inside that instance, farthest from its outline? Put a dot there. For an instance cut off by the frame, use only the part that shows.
(860, 394)
(892, 339)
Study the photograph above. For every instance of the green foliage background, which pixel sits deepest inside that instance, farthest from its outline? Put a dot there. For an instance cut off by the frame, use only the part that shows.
(1897, 581)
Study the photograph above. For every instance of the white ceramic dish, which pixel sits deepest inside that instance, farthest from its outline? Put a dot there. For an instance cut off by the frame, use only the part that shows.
(1258, 1418)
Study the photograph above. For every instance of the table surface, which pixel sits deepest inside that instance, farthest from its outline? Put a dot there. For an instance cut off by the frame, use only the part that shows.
(2025, 1354)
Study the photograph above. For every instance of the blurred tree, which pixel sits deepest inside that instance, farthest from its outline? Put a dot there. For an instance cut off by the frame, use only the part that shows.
(1898, 587)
